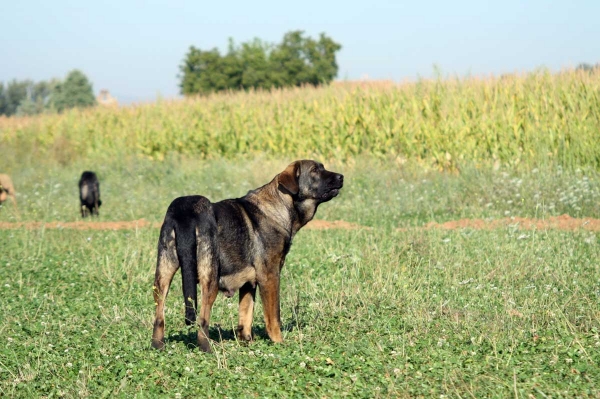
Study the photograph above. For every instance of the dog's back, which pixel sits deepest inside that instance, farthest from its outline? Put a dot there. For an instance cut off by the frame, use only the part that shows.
(89, 193)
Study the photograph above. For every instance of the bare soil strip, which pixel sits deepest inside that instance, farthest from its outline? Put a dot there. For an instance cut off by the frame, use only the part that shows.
(563, 222)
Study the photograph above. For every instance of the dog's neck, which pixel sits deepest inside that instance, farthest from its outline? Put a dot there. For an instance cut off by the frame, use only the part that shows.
(281, 208)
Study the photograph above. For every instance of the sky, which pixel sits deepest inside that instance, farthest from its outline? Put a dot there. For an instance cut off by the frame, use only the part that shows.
(134, 48)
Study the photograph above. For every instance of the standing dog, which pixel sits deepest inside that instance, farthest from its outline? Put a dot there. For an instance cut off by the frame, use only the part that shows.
(89, 194)
(237, 244)
(7, 189)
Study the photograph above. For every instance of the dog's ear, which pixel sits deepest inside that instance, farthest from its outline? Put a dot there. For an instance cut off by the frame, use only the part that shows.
(288, 179)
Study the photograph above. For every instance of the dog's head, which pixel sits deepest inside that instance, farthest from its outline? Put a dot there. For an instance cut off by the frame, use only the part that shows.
(309, 180)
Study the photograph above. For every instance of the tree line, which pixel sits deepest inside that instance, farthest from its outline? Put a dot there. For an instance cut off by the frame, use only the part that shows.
(297, 60)
(27, 97)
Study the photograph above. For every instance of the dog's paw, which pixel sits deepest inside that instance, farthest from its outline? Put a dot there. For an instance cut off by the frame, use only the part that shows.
(157, 344)
(204, 346)
(243, 336)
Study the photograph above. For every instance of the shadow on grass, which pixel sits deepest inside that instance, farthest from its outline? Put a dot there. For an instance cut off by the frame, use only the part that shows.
(218, 334)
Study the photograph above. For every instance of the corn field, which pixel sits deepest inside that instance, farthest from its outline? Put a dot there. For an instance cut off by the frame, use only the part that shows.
(530, 119)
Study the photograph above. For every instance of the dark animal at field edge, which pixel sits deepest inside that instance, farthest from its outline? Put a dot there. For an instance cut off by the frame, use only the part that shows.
(89, 194)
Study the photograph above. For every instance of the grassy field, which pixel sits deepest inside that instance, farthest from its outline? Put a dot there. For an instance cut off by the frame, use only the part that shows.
(377, 193)
(367, 313)
(387, 310)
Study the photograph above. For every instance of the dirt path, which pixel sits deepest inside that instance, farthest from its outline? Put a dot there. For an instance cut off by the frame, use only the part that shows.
(563, 222)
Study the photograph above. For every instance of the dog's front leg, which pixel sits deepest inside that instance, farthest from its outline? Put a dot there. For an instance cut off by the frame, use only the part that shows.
(269, 294)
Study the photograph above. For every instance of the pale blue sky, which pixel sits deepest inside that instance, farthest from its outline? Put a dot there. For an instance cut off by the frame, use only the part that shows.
(134, 48)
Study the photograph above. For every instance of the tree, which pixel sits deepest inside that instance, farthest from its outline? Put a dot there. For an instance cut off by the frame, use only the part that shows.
(29, 98)
(27, 107)
(289, 61)
(2, 100)
(296, 61)
(39, 98)
(255, 65)
(16, 91)
(322, 57)
(75, 91)
(202, 72)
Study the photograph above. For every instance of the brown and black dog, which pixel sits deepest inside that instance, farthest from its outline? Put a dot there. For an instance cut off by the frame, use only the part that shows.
(237, 244)
(7, 189)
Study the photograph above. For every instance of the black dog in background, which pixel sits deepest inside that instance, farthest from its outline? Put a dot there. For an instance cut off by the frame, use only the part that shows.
(89, 193)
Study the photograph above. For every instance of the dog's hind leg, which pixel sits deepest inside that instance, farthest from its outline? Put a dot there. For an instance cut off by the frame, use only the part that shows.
(209, 292)
(246, 310)
(167, 265)
(207, 275)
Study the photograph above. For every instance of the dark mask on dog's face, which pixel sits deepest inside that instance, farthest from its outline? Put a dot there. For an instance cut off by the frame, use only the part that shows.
(308, 179)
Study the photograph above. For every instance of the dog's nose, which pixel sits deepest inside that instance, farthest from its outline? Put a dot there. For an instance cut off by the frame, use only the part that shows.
(340, 178)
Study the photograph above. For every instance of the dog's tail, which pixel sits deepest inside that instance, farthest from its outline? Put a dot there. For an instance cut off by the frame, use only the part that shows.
(185, 236)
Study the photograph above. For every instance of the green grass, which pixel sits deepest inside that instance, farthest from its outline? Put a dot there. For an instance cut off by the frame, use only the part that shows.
(377, 193)
(366, 313)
